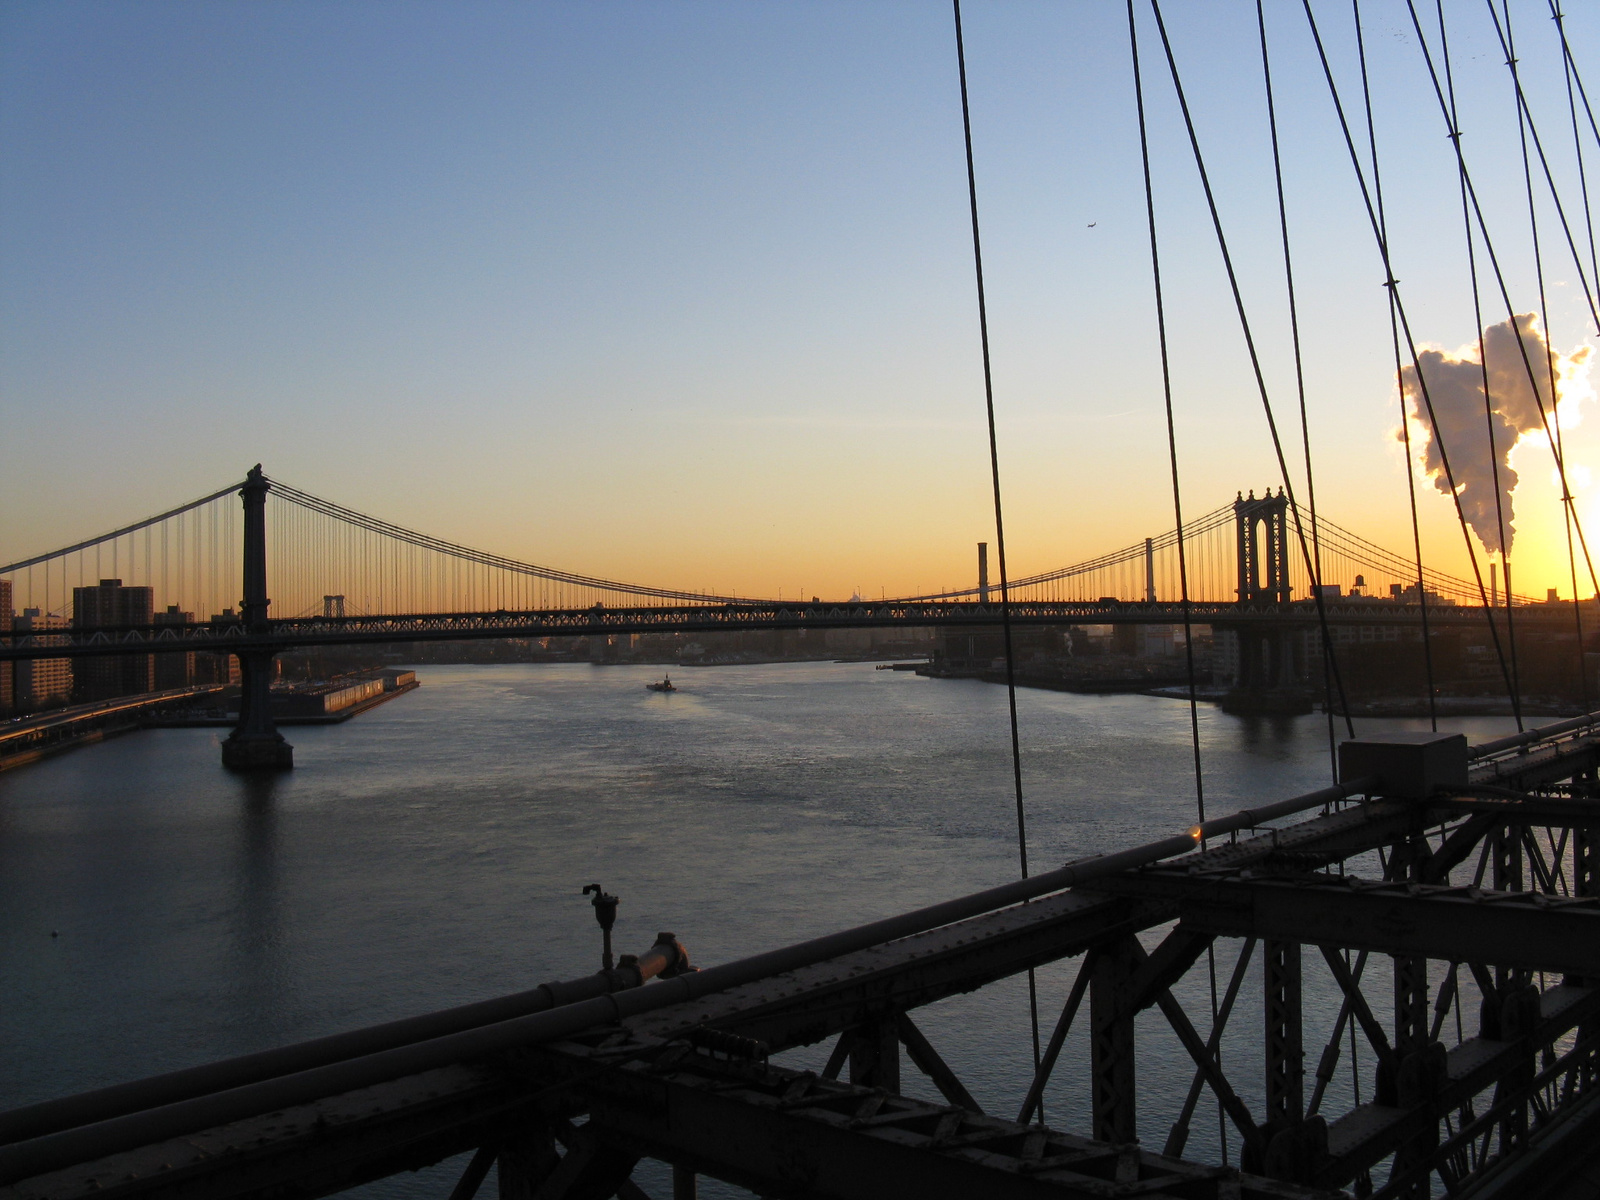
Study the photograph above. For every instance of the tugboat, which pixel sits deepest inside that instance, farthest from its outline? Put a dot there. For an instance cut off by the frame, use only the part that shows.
(664, 686)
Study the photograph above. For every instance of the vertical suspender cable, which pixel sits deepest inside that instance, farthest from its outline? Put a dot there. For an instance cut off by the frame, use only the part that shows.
(1166, 390)
(1177, 493)
(1390, 285)
(1300, 386)
(999, 516)
(1483, 353)
(1523, 121)
(1381, 237)
(1250, 347)
(1494, 260)
(1570, 72)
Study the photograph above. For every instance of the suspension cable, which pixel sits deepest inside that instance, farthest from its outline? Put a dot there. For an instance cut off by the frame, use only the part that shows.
(1255, 358)
(1300, 386)
(1166, 392)
(1483, 368)
(1499, 274)
(1393, 286)
(1569, 71)
(1400, 387)
(999, 514)
(1177, 493)
(1549, 356)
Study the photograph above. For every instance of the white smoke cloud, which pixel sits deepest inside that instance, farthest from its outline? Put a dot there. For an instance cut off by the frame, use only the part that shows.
(1455, 386)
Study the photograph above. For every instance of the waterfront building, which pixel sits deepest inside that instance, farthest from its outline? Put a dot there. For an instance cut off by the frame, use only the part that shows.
(42, 682)
(174, 669)
(7, 702)
(110, 605)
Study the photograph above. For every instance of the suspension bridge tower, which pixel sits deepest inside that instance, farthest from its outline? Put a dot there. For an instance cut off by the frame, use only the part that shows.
(255, 743)
(1269, 673)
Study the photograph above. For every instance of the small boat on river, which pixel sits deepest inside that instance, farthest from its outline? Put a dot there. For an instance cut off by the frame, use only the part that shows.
(664, 686)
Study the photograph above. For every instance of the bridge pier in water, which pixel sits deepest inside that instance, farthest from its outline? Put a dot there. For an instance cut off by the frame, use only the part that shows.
(255, 743)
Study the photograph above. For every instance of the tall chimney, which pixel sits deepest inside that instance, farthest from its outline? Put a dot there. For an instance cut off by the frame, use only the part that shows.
(983, 572)
(1494, 586)
(1149, 571)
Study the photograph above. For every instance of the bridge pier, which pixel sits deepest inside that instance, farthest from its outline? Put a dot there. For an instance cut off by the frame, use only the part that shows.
(255, 743)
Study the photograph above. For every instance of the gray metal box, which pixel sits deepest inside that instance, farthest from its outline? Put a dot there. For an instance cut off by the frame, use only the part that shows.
(1410, 765)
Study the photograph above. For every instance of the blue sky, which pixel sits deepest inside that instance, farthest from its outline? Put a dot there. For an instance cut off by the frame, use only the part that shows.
(683, 293)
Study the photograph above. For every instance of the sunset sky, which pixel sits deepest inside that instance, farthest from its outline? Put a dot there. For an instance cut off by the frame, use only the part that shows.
(683, 294)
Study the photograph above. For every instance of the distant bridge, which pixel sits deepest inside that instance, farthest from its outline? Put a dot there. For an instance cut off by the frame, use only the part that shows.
(352, 579)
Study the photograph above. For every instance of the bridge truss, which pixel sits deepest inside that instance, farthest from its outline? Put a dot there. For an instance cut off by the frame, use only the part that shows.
(230, 636)
(1459, 923)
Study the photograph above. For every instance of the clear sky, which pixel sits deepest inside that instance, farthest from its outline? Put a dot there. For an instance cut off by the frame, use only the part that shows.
(683, 293)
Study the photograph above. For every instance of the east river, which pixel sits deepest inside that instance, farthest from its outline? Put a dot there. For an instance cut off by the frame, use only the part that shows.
(156, 912)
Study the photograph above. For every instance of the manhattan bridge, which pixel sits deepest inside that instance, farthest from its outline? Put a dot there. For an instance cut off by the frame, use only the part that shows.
(1446, 895)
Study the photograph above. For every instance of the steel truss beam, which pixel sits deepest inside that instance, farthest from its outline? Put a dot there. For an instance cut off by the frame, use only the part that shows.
(1527, 931)
(597, 620)
(725, 1117)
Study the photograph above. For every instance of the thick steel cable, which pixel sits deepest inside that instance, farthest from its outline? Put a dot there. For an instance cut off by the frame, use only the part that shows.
(1523, 119)
(1166, 394)
(999, 513)
(1250, 347)
(1399, 376)
(1569, 71)
(1177, 496)
(1544, 164)
(1405, 324)
(1300, 385)
(1494, 262)
(1483, 362)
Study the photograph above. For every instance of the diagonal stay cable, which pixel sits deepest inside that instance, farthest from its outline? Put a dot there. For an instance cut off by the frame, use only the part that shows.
(1569, 71)
(999, 512)
(1532, 129)
(1523, 120)
(1255, 362)
(1399, 378)
(1177, 492)
(1393, 286)
(1500, 279)
(1300, 386)
(1166, 395)
(1483, 352)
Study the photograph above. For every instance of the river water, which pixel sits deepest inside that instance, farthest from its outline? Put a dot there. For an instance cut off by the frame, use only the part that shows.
(157, 912)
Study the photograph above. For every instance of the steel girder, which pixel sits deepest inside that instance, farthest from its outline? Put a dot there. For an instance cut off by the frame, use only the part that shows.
(786, 1133)
(597, 620)
(1528, 931)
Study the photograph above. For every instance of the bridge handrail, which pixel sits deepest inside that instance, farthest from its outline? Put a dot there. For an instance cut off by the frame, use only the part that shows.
(1543, 733)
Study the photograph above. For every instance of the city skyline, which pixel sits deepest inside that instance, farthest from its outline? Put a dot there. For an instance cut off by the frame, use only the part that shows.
(686, 297)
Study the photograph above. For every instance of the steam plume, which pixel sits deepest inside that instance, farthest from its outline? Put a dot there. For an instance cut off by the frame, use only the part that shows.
(1455, 385)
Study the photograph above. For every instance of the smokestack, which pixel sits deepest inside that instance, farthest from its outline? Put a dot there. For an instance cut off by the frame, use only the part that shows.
(1494, 587)
(983, 572)
(1149, 571)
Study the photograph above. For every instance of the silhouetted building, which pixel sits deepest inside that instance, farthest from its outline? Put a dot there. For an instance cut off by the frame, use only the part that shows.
(174, 670)
(42, 682)
(219, 668)
(109, 606)
(6, 693)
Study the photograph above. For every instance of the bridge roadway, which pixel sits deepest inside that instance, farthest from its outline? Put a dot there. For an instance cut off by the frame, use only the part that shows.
(565, 1088)
(285, 634)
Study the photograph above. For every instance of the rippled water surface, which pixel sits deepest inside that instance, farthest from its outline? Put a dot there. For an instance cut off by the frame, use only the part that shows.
(156, 912)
